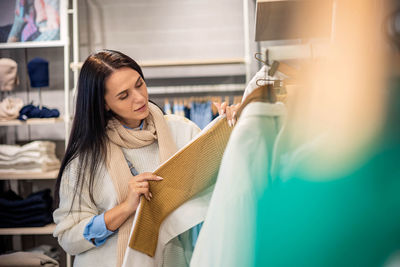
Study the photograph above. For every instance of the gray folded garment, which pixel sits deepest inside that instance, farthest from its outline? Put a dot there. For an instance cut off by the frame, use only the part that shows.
(26, 259)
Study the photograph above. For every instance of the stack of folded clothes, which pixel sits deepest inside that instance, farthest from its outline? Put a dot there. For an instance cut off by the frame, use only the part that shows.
(37, 156)
(33, 211)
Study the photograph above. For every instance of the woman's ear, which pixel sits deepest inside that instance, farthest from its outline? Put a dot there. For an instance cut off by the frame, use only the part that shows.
(107, 108)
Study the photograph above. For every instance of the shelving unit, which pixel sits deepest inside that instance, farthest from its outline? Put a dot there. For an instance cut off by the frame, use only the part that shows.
(45, 230)
(32, 122)
(29, 175)
(64, 42)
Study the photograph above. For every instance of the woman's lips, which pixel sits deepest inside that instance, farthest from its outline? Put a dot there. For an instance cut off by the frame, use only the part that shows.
(142, 109)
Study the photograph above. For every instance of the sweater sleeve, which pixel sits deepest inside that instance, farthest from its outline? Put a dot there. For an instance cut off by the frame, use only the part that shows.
(71, 221)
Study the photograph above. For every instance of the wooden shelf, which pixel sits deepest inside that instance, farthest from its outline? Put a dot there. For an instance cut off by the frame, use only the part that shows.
(154, 90)
(32, 122)
(45, 230)
(180, 63)
(57, 43)
(29, 175)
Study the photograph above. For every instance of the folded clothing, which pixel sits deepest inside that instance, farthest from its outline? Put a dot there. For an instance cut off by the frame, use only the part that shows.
(44, 147)
(27, 259)
(33, 211)
(10, 107)
(37, 156)
(31, 111)
(47, 250)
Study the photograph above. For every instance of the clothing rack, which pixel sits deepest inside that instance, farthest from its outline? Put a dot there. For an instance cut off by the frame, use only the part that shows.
(162, 90)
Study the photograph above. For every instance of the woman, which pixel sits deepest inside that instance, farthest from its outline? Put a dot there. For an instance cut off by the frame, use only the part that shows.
(116, 132)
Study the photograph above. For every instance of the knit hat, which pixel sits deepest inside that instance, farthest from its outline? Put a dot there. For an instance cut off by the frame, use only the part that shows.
(38, 69)
(8, 74)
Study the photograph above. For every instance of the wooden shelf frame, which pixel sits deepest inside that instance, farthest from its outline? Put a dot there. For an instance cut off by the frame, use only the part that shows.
(45, 230)
(32, 121)
(29, 175)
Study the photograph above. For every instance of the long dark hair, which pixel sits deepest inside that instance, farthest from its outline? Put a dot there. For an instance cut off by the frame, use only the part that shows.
(88, 139)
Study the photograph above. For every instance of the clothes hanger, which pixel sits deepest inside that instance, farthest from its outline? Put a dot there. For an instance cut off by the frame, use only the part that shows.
(227, 100)
(266, 90)
(281, 67)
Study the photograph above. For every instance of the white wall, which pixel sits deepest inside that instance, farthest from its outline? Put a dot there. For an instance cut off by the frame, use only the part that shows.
(166, 30)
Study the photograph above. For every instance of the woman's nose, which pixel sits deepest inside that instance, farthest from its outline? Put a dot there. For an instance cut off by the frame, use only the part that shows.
(137, 97)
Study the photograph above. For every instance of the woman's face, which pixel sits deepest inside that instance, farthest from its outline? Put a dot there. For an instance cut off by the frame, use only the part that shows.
(126, 95)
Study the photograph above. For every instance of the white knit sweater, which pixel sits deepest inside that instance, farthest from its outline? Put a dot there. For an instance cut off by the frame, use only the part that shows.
(70, 226)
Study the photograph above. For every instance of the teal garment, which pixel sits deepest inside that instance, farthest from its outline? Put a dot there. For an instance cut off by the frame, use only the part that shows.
(353, 220)
(227, 236)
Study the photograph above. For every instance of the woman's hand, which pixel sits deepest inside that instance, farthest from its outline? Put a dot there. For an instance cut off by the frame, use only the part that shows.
(229, 110)
(138, 185)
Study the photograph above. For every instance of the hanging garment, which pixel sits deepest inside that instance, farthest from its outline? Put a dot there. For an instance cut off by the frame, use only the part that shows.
(167, 108)
(9, 108)
(261, 74)
(325, 209)
(187, 112)
(201, 113)
(8, 74)
(227, 237)
(348, 218)
(180, 201)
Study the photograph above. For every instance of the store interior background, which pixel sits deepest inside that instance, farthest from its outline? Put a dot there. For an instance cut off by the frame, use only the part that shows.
(146, 30)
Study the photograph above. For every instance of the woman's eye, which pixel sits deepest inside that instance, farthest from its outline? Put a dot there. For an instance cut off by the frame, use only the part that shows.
(124, 96)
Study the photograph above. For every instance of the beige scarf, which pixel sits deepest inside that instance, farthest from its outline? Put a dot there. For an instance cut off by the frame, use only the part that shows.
(155, 128)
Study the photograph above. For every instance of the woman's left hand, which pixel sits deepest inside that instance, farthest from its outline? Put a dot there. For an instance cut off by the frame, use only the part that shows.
(229, 110)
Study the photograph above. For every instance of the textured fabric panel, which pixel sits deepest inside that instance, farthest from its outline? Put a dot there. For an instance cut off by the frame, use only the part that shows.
(188, 172)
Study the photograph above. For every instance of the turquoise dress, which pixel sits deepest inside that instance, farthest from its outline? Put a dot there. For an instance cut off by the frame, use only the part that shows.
(352, 220)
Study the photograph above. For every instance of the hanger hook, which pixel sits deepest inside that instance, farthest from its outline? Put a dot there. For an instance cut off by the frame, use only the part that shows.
(261, 80)
(259, 58)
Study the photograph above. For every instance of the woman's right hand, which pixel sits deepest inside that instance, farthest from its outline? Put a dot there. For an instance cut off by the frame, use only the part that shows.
(139, 185)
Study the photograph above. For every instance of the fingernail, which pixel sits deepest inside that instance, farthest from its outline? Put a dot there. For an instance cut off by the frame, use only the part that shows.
(160, 178)
(151, 195)
(233, 122)
(229, 123)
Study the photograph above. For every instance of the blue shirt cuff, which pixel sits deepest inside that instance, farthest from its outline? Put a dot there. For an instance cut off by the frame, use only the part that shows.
(96, 230)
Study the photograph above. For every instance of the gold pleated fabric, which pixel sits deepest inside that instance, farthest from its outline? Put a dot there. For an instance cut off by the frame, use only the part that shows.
(187, 173)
